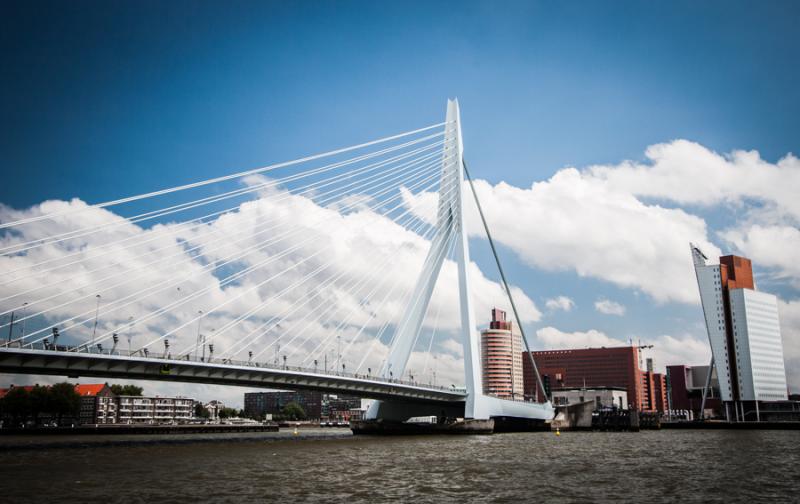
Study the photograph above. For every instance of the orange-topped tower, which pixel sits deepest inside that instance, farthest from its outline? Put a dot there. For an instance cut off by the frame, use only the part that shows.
(501, 358)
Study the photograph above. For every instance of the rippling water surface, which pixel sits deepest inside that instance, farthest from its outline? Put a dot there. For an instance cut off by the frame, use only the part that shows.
(331, 465)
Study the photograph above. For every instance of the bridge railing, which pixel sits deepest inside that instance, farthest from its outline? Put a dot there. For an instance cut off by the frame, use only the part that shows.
(144, 353)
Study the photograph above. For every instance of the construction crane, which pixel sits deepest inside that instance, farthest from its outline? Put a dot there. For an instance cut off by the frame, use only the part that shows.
(641, 347)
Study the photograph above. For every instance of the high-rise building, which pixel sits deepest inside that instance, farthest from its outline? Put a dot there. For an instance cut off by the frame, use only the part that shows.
(501, 358)
(598, 367)
(743, 331)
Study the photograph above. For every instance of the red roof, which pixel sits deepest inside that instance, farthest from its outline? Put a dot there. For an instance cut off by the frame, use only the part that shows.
(91, 389)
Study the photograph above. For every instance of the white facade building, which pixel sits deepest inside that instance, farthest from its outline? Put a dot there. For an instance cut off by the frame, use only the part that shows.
(711, 288)
(745, 319)
(758, 349)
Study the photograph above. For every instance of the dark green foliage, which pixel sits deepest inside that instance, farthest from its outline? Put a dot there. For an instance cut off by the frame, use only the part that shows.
(126, 390)
(293, 411)
(58, 400)
(64, 400)
(227, 412)
(200, 411)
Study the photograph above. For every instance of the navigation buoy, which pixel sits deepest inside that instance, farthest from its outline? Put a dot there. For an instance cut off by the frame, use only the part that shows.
(295, 431)
(558, 432)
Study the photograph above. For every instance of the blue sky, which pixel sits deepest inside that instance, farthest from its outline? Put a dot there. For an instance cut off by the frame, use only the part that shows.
(102, 100)
(120, 92)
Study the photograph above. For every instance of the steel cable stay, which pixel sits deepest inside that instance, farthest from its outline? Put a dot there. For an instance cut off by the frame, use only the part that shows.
(181, 254)
(344, 321)
(70, 235)
(534, 367)
(202, 291)
(222, 178)
(406, 296)
(200, 221)
(328, 340)
(205, 269)
(398, 217)
(247, 341)
(435, 323)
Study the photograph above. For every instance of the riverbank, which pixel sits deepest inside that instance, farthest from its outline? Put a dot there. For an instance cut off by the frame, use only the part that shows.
(718, 425)
(116, 430)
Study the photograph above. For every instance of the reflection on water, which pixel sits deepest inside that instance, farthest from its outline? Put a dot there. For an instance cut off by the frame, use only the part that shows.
(327, 466)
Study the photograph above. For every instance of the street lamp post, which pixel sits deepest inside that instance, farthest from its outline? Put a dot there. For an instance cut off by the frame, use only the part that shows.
(23, 321)
(199, 320)
(338, 349)
(130, 327)
(96, 317)
(10, 328)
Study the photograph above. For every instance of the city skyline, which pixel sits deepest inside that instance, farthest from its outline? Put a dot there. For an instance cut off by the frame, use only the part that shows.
(599, 249)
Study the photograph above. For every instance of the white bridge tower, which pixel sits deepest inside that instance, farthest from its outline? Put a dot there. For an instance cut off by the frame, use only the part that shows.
(450, 228)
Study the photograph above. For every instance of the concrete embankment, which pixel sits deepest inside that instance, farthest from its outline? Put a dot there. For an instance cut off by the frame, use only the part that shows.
(718, 425)
(95, 430)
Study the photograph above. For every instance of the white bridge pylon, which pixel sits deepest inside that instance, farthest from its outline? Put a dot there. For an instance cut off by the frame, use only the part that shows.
(450, 231)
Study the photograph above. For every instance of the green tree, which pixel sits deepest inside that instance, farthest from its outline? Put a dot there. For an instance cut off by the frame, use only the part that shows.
(39, 401)
(126, 390)
(293, 411)
(17, 404)
(227, 413)
(200, 411)
(64, 400)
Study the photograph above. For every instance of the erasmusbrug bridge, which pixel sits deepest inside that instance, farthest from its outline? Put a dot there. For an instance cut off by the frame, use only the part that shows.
(341, 272)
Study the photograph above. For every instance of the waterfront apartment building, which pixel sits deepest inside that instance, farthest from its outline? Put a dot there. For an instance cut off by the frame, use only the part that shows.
(259, 404)
(98, 404)
(743, 331)
(154, 410)
(597, 367)
(501, 358)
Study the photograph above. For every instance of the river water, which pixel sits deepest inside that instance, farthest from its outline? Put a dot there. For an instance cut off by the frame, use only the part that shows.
(333, 466)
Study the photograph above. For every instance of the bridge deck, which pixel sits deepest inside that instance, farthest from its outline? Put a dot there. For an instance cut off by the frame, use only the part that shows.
(76, 364)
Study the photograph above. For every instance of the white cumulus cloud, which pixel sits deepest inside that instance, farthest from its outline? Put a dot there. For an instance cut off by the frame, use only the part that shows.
(562, 303)
(609, 307)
